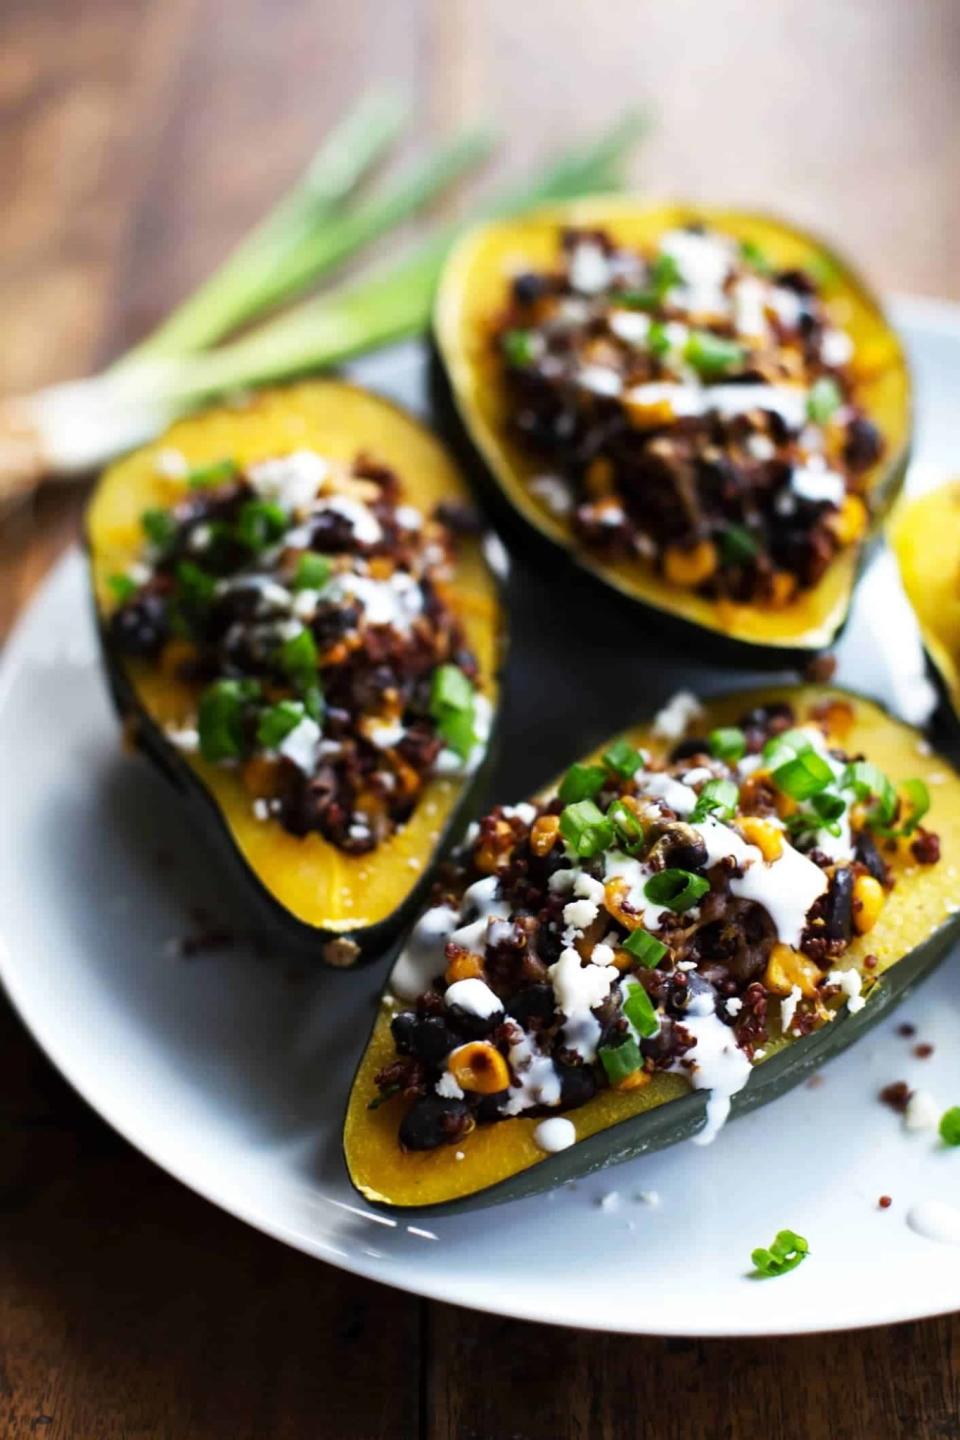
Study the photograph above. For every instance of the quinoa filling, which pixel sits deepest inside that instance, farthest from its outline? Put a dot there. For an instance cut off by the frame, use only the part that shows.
(309, 608)
(695, 408)
(676, 914)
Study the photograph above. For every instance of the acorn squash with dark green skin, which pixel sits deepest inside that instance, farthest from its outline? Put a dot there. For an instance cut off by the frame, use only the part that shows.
(500, 1160)
(471, 299)
(304, 892)
(925, 536)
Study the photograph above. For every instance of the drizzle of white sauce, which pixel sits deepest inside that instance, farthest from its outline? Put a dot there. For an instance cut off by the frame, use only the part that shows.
(618, 866)
(631, 326)
(720, 1066)
(785, 887)
(704, 262)
(536, 1079)
(599, 380)
(366, 527)
(671, 722)
(474, 997)
(555, 1134)
(422, 956)
(818, 484)
(397, 601)
(589, 268)
(935, 1220)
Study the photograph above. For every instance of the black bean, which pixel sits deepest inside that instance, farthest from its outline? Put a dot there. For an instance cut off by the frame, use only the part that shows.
(838, 907)
(435, 1120)
(577, 1084)
(428, 1037)
(678, 846)
(475, 1027)
(865, 850)
(864, 444)
(688, 748)
(534, 1002)
(141, 626)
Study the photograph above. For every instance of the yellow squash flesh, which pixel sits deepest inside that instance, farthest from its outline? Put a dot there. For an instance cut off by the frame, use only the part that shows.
(925, 535)
(314, 882)
(919, 905)
(472, 294)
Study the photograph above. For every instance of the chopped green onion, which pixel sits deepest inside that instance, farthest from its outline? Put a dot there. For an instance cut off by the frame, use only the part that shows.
(658, 341)
(586, 829)
(620, 1061)
(803, 775)
(644, 947)
(313, 701)
(712, 355)
(452, 707)
(867, 782)
(629, 831)
(755, 257)
(675, 889)
(827, 805)
(581, 782)
(313, 572)
(122, 587)
(728, 743)
(520, 347)
(718, 798)
(824, 400)
(160, 528)
(794, 742)
(737, 545)
(623, 759)
(298, 659)
(950, 1126)
(195, 588)
(664, 274)
(260, 523)
(220, 718)
(785, 1253)
(276, 722)
(917, 796)
(640, 1011)
(214, 474)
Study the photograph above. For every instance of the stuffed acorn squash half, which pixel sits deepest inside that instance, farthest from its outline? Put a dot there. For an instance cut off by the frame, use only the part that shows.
(298, 620)
(925, 535)
(692, 921)
(706, 409)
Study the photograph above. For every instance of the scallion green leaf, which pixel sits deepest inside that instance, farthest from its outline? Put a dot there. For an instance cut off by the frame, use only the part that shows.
(623, 759)
(737, 545)
(728, 743)
(823, 400)
(586, 829)
(644, 947)
(520, 348)
(160, 528)
(217, 473)
(452, 704)
(297, 659)
(950, 1126)
(675, 889)
(313, 571)
(785, 1253)
(868, 782)
(277, 721)
(712, 355)
(629, 830)
(803, 775)
(639, 1009)
(718, 798)
(917, 797)
(620, 1061)
(220, 718)
(122, 587)
(260, 523)
(581, 782)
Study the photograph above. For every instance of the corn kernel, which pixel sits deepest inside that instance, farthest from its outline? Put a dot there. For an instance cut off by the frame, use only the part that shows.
(783, 587)
(479, 1067)
(543, 835)
(850, 521)
(260, 777)
(464, 967)
(868, 900)
(767, 836)
(599, 477)
(690, 566)
(647, 415)
(176, 653)
(786, 968)
(495, 850)
(614, 894)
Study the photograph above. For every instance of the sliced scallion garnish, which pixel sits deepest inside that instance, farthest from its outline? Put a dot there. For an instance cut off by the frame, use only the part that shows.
(785, 1253)
(639, 1009)
(737, 545)
(260, 523)
(712, 355)
(313, 571)
(623, 759)
(581, 782)
(950, 1126)
(823, 400)
(277, 722)
(159, 526)
(452, 707)
(620, 1061)
(718, 798)
(868, 782)
(803, 775)
(645, 947)
(675, 889)
(122, 587)
(629, 830)
(220, 718)
(586, 829)
(728, 743)
(216, 473)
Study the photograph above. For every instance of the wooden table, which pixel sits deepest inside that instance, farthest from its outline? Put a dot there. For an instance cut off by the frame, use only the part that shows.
(137, 137)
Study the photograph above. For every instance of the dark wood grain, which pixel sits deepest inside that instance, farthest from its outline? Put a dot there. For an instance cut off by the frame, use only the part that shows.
(137, 139)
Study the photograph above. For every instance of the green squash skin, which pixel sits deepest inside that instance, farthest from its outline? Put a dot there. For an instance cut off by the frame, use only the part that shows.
(682, 1118)
(715, 645)
(270, 921)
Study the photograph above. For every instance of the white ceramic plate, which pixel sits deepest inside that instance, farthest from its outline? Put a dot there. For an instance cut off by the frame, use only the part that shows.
(219, 1068)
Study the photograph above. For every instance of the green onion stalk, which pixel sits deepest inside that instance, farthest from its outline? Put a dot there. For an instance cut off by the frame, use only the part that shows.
(74, 427)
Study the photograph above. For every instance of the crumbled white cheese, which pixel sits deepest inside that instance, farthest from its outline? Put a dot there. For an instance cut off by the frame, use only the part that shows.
(554, 1134)
(171, 464)
(922, 1112)
(474, 997)
(408, 517)
(671, 722)
(818, 484)
(366, 527)
(589, 268)
(555, 493)
(602, 954)
(734, 1005)
(448, 1086)
(580, 914)
(299, 746)
(836, 347)
(851, 983)
(185, 738)
(261, 810)
(291, 480)
(599, 380)
(631, 326)
(578, 989)
(788, 1008)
